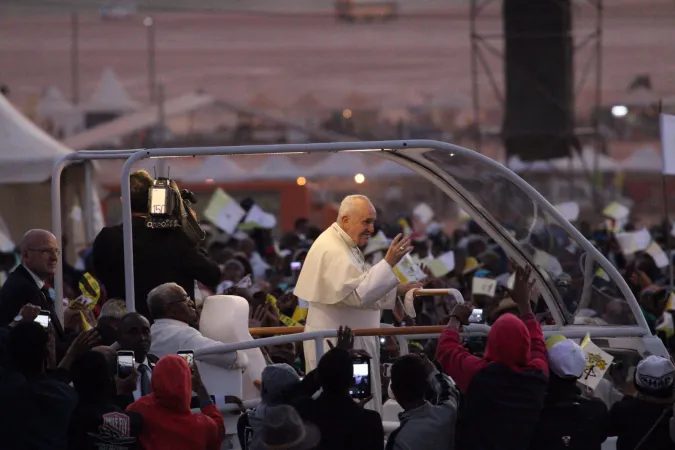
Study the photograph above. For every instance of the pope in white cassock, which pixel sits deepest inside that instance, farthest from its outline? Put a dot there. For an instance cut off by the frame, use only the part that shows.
(343, 291)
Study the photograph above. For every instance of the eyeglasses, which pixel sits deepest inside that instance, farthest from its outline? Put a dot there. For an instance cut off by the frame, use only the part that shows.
(46, 251)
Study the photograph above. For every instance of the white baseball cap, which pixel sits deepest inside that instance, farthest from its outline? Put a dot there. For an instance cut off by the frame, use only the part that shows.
(566, 359)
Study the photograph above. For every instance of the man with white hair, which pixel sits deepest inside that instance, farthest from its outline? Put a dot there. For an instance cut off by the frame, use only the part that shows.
(174, 315)
(342, 291)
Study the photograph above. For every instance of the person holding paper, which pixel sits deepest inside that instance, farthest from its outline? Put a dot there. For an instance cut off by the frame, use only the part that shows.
(342, 291)
(506, 389)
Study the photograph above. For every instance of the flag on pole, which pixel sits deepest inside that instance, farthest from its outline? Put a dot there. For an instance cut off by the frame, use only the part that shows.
(668, 143)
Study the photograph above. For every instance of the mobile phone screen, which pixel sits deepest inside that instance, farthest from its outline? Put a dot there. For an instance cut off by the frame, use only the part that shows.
(296, 265)
(43, 319)
(125, 363)
(476, 316)
(189, 357)
(361, 382)
(158, 201)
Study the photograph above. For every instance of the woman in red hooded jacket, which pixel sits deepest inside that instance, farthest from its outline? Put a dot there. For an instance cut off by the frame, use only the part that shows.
(503, 392)
(168, 423)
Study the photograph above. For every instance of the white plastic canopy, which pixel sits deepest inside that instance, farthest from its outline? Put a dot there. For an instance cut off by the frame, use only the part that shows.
(582, 290)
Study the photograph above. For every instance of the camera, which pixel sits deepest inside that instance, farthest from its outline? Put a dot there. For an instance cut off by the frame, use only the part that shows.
(169, 207)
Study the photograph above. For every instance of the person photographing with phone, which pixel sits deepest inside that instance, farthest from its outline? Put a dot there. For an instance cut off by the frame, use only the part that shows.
(167, 419)
(340, 288)
(506, 388)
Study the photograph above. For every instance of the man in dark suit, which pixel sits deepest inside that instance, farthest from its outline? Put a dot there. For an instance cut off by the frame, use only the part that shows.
(160, 255)
(26, 284)
(134, 335)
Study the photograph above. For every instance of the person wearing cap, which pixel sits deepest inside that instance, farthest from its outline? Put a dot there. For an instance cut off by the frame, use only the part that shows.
(642, 422)
(569, 420)
(505, 390)
(283, 429)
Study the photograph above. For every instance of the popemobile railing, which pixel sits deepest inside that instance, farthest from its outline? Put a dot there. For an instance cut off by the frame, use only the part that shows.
(285, 335)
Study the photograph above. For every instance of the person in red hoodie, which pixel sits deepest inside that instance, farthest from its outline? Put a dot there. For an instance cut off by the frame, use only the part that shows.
(503, 393)
(168, 423)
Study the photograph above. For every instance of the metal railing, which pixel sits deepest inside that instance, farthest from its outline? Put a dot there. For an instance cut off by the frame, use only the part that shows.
(285, 335)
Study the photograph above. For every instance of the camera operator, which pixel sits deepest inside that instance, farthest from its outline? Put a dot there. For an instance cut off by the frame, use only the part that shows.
(161, 255)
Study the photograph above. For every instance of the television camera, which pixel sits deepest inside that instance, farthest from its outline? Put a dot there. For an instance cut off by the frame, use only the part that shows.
(169, 207)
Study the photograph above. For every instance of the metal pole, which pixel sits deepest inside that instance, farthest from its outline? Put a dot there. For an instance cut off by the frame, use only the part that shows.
(475, 100)
(75, 57)
(160, 130)
(57, 229)
(149, 24)
(599, 143)
(88, 208)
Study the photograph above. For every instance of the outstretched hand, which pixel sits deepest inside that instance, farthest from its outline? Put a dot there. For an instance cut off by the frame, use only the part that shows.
(345, 339)
(522, 289)
(399, 247)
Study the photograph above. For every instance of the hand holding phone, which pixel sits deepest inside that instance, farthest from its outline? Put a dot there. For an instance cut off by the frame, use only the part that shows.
(361, 382)
(125, 363)
(43, 318)
(189, 357)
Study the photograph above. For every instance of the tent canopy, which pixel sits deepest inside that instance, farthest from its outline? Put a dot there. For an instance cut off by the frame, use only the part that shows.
(110, 96)
(53, 102)
(132, 123)
(27, 154)
(644, 160)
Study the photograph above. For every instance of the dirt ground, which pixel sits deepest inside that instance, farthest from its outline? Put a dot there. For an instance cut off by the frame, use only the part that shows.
(238, 55)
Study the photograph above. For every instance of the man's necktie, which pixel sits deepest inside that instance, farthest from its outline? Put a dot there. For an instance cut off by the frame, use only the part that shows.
(49, 306)
(146, 386)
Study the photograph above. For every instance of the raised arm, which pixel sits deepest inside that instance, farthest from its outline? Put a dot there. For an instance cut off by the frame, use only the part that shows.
(455, 360)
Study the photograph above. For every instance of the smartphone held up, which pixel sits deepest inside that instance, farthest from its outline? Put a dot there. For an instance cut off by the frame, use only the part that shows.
(125, 363)
(43, 318)
(189, 357)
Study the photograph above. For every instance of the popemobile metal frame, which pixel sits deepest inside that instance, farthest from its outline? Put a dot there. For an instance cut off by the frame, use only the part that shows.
(406, 153)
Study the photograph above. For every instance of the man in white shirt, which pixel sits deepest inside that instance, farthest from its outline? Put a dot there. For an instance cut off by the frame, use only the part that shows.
(343, 291)
(174, 316)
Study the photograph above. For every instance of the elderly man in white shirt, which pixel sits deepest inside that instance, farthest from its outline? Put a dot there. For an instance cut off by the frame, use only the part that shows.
(174, 315)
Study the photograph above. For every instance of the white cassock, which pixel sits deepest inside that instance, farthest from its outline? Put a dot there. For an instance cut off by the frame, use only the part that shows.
(342, 291)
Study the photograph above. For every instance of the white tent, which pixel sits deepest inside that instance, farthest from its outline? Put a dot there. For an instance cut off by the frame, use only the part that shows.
(644, 160)
(57, 115)
(575, 164)
(116, 129)
(27, 156)
(28, 153)
(110, 96)
(586, 162)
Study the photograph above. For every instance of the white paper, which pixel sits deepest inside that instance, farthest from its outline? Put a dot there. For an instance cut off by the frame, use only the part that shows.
(511, 282)
(656, 252)
(483, 286)
(547, 262)
(616, 211)
(635, 241)
(257, 218)
(668, 143)
(569, 210)
(442, 265)
(407, 271)
(224, 212)
(597, 363)
(423, 213)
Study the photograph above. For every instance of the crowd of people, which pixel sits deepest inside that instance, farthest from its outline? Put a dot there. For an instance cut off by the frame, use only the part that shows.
(61, 385)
